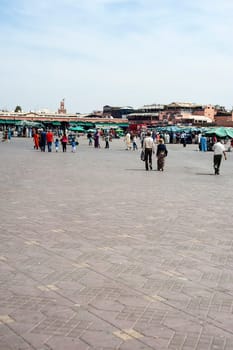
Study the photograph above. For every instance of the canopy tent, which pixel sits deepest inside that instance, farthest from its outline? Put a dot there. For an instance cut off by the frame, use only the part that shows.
(77, 128)
(73, 122)
(56, 123)
(123, 125)
(52, 123)
(180, 129)
(11, 122)
(83, 123)
(105, 126)
(221, 132)
(169, 128)
(110, 125)
(30, 124)
(23, 123)
(3, 121)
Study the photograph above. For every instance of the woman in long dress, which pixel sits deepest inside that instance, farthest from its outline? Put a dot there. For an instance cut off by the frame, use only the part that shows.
(128, 141)
(161, 154)
(36, 140)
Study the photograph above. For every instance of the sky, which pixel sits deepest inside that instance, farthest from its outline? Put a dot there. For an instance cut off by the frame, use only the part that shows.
(115, 52)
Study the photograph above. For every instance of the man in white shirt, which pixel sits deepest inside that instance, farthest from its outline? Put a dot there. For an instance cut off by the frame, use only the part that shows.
(149, 148)
(219, 150)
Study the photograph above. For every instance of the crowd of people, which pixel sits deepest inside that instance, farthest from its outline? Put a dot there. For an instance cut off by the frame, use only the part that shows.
(149, 140)
(94, 138)
(44, 138)
(151, 143)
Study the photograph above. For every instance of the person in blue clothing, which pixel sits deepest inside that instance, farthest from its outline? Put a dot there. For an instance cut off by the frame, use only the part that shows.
(9, 133)
(203, 142)
(73, 145)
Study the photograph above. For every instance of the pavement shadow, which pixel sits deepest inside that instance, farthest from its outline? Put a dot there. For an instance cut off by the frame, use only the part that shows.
(205, 174)
(137, 170)
(149, 171)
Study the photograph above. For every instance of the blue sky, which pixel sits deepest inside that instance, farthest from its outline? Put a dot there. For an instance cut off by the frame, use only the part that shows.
(117, 52)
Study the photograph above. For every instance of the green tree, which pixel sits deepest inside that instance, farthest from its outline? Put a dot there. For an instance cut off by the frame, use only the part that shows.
(18, 109)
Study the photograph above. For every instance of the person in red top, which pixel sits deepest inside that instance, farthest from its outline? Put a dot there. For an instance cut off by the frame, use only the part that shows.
(64, 141)
(49, 140)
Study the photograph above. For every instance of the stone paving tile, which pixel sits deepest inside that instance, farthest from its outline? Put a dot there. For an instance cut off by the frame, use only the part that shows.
(14, 342)
(61, 343)
(98, 254)
(101, 339)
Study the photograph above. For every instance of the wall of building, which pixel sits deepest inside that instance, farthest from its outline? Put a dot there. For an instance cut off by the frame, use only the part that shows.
(210, 112)
(226, 120)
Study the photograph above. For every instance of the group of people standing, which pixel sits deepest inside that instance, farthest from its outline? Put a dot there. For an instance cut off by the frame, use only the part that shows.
(96, 137)
(149, 149)
(43, 139)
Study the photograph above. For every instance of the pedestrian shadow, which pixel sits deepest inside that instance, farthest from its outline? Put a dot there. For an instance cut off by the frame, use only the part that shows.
(204, 174)
(136, 170)
(149, 171)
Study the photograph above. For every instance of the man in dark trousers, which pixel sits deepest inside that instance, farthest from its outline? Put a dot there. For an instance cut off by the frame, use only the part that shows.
(219, 150)
(148, 148)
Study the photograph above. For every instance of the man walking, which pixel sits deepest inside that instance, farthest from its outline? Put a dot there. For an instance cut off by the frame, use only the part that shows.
(219, 150)
(148, 147)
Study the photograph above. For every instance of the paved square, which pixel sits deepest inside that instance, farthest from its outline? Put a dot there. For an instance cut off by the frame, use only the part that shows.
(97, 253)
